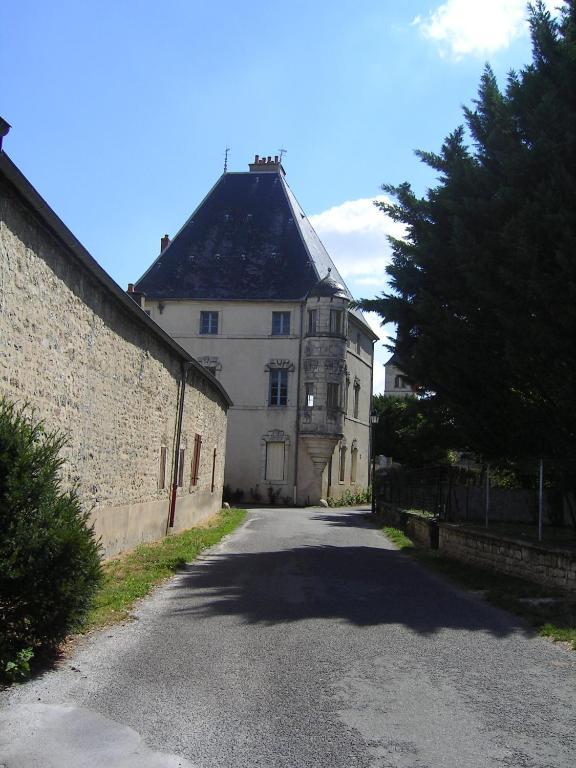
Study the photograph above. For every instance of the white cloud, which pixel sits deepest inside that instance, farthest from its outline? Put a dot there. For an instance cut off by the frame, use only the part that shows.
(477, 27)
(355, 235)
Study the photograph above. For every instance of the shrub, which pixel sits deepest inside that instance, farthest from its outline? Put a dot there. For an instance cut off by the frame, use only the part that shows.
(49, 558)
(351, 497)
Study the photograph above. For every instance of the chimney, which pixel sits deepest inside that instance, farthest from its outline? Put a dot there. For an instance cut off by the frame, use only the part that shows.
(266, 164)
(4, 128)
(130, 287)
(164, 243)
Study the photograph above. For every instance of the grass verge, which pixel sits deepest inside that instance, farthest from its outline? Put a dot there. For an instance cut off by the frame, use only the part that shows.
(550, 612)
(132, 576)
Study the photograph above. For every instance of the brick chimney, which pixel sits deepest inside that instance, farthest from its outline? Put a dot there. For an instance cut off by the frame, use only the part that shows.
(266, 165)
(164, 243)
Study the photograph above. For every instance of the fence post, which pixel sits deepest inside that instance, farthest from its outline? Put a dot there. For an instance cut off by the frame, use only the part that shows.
(540, 498)
(487, 500)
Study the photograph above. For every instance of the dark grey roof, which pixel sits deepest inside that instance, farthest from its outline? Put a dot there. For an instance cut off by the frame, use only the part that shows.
(328, 287)
(74, 247)
(249, 239)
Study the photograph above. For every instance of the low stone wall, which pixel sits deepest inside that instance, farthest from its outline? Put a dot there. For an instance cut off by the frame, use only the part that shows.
(420, 529)
(551, 567)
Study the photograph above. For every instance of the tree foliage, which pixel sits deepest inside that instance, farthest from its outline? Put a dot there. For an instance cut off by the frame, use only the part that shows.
(49, 559)
(484, 285)
(413, 431)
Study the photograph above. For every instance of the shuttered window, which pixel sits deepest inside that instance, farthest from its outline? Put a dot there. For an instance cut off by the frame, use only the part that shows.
(275, 460)
(195, 466)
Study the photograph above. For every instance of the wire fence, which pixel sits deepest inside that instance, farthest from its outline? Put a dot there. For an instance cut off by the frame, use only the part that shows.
(459, 494)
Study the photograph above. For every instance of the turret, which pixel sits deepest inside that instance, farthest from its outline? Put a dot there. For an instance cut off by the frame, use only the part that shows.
(321, 418)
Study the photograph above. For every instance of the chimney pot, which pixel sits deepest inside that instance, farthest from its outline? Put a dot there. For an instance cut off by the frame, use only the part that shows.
(256, 158)
(130, 287)
(269, 159)
(275, 158)
(164, 243)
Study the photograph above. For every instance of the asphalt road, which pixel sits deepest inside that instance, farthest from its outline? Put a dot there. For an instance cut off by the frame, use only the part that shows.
(304, 640)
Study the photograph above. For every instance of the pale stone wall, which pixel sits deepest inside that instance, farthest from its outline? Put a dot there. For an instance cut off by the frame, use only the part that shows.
(90, 367)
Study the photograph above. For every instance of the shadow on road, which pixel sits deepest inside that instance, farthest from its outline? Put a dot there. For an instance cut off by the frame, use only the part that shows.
(362, 585)
(352, 518)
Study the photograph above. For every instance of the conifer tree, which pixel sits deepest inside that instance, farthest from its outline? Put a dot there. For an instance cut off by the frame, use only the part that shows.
(484, 285)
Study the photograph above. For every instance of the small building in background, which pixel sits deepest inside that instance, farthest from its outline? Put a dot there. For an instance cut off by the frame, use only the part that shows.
(395, 382)
(247, 287)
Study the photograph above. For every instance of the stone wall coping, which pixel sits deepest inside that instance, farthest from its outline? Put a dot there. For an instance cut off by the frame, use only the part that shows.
(508, 539)
(73, 246)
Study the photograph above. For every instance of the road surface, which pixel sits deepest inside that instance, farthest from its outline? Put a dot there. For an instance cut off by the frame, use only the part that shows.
(302, 641)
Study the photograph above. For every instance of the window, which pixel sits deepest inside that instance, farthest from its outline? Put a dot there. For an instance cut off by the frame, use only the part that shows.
(347, 395)
(280, 323)
(356, 400)
(278, 387)
(342, 464)
(181, 468)
(275, 451)
(400, 382)
(309, 394)
(336, 321)
(212, 484)
(312, 321)
(162, 470)
(353, 464)
(195, 465)
(209, 323)
(358, 343)
(333, 396)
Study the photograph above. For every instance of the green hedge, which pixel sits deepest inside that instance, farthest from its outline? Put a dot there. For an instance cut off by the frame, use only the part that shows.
(49, 558)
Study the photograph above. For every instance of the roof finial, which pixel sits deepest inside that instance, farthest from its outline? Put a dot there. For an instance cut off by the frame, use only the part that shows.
(329, 270)
(226, 159)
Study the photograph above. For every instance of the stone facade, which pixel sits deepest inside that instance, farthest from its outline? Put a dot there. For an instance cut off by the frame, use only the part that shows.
(89, 362)
(242, 356)
(555, 568)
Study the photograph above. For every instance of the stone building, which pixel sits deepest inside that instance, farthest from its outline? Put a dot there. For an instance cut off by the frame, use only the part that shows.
(395, 382)
(247, 286)
(146, 423)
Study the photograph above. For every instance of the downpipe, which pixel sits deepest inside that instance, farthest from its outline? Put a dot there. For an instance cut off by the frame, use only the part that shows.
(176, 459)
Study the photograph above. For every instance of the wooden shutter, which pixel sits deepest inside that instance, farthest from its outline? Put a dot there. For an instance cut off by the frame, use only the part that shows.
(213, 470)
(275, 460)
(196, 460)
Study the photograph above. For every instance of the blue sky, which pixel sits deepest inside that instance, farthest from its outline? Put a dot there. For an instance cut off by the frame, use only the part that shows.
(121, 110)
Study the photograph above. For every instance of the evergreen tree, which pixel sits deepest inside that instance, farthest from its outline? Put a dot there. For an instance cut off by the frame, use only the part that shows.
(484, 286)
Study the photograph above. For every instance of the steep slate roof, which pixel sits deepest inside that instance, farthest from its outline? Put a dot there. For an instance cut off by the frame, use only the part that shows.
(248, 240)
